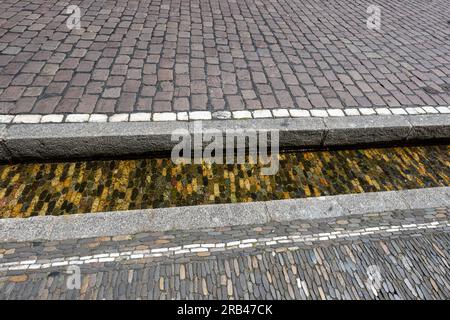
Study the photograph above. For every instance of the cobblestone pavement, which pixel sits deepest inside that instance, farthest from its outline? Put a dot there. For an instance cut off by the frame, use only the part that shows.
(390, 255)
(186, 55)
(32, 189)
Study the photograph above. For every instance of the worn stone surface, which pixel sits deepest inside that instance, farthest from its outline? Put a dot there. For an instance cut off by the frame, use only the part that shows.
(224, 215)
(320, 207)
(43, 141)
(369, 129)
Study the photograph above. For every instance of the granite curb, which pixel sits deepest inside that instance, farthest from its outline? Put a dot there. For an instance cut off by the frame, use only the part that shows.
(80, 226)
(87, 140)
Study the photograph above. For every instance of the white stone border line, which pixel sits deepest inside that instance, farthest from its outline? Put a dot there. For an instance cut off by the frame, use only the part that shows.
(193, 248)
(218, 115)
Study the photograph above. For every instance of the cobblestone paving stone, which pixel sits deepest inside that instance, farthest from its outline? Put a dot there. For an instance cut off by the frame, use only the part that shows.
(196, 55)
(95, 186)
(413, 264)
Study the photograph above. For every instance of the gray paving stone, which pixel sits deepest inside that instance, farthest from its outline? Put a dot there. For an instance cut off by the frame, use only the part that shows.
(426, 198)
(372, 202)
(105, 224)
(29, 229)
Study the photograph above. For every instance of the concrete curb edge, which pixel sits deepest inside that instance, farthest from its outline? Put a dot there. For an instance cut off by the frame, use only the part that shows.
(86, 140)
(79, 226)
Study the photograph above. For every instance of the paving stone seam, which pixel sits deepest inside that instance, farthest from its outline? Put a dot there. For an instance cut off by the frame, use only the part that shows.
(194, 248)
(218, 115)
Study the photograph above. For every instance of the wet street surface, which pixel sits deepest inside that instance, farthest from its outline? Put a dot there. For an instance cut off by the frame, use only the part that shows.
(110, 185)
(389, 255)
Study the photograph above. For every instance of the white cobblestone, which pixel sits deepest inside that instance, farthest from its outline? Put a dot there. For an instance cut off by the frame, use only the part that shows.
(319, 113)
(244, 114)
(182, 116)
(280, 113)
(27, 118)
(367, 111)
(77, 117)
(165, 116)
(262, 114)
(297, 113)
(430, 109)
(411, 110)
(119, 117)
(200, 115)
(383, 111)
(336, 113)
(420, 110)
(221, 115)
(52, 118)
(98, 118)
(443, 109)
(398, 111)
(159, 250)
(140, 116)
(351, 112)
(5, 118)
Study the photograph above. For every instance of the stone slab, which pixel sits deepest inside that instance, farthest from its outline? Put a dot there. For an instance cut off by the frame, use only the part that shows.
(365, 130)
(98, 225)
(425, 127)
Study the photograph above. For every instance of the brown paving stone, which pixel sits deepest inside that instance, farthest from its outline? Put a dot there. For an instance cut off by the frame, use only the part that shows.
(144, 104)
(12, 93)
(46, 105)
(126, 102)
(87, 104)
(66, 106)
(161, 106)
(105, 106)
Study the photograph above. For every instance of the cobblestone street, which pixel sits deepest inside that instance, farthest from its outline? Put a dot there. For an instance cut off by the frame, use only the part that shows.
(390, 255)
(224, 150)
(177, 56)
